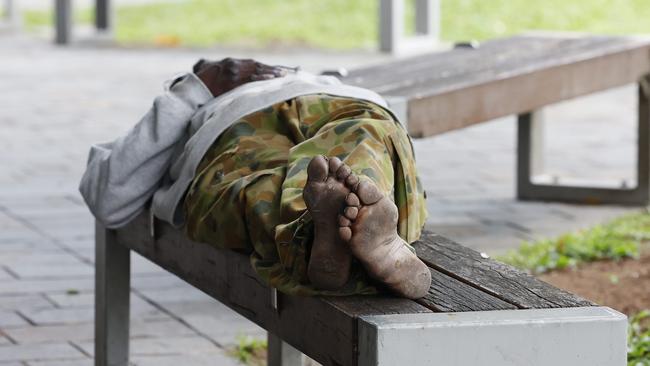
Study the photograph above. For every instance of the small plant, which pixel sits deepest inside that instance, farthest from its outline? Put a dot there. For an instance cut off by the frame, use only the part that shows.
(638, 340)
(618, 239)
(250, 351)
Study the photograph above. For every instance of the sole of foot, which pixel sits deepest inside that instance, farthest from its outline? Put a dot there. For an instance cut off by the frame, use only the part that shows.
(369, 225)
(324, 195)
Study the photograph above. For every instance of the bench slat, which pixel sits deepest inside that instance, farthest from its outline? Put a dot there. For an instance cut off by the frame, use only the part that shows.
(448, 294)
(496, 278)
(405, 67)
(450, 90)
(442, 72)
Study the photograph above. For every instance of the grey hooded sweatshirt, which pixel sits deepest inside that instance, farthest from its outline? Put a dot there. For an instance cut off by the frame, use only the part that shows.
(156, 160)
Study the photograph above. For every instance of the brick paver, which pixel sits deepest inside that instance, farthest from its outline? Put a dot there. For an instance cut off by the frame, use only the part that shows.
(56, 101)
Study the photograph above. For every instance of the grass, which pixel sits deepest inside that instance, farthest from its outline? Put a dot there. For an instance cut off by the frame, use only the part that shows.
(250, 351)
(638, 342)
(344, 24)
(620, 238)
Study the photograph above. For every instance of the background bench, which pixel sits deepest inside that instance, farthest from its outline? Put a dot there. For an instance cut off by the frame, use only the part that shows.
(445, 91)
(392, 30)
(535, 322)
(64, 19)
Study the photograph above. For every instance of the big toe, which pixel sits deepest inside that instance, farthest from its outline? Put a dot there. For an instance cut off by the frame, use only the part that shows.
(368, 193)
(317, 169)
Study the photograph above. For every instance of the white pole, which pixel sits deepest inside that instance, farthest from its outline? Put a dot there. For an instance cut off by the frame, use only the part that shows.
(12, 14)
(391, 25)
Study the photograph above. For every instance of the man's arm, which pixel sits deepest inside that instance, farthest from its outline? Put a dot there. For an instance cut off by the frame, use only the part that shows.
(123, 175)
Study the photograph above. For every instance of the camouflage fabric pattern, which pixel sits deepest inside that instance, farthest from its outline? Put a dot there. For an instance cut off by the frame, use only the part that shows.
(247, 192)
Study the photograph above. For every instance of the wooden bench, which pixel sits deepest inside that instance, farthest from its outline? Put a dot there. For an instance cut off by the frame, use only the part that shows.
(455, 324)
(440, 92)
(478, 311)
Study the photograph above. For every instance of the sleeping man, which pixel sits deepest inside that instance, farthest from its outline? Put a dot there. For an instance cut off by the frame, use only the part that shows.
(314, 179)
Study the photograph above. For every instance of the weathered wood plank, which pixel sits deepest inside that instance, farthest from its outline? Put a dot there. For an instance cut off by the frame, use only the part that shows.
(325, 329)
(228, 277)
(441, 72)
(458, 88)
(448, 294)
(496, 278)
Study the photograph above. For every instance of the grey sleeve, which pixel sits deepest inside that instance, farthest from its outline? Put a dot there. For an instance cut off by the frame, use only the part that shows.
(121, 176)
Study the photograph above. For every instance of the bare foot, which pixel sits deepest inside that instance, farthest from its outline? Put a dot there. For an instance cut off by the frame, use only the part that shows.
(324, 194)
(369, 225)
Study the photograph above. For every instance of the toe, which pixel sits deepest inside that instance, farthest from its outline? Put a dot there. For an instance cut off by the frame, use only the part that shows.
(345, 233)
(317, 169)
(343, 173)
(352, 181)
(351, 212)
(344, 221)
(335, 164)
(368, 193)
(352, 200)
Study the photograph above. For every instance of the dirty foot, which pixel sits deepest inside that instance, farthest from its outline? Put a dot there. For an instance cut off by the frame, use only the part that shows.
(324, 194)
(369, 225)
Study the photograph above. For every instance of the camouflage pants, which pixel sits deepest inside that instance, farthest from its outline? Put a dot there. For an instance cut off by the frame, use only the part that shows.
(247, 191)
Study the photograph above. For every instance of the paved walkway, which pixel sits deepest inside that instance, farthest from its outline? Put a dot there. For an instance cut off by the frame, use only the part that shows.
(54, 102)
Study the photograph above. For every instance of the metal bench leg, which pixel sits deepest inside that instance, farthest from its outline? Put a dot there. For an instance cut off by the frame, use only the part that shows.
(63, 21)
(529, 163)
(282, 354)
(427, 17)
(392, 37)
(112, 290)
(12, 15)
(391, 24)
(103, 15)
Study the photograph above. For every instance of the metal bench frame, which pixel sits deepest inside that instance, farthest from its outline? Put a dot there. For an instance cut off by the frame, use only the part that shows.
(530, 141)
(392, 37)
(11, 15)
(64, 16)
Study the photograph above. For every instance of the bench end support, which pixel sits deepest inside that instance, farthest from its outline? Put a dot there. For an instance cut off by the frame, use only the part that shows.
(112, 291)
(529, 163)
(563, 336)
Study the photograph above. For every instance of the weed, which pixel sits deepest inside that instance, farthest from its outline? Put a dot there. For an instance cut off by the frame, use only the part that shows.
(638, 341)
(250, 351)
(618, 239)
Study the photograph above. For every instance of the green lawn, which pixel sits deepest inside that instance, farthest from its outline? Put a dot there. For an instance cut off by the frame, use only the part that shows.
(617, 239)
(353, 23)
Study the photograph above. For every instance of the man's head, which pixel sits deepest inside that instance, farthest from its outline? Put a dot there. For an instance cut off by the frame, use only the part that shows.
(229, 73)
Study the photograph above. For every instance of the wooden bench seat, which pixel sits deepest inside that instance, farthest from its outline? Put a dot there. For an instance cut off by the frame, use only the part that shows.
(439, 92)
(478, 311)
(327, 329)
